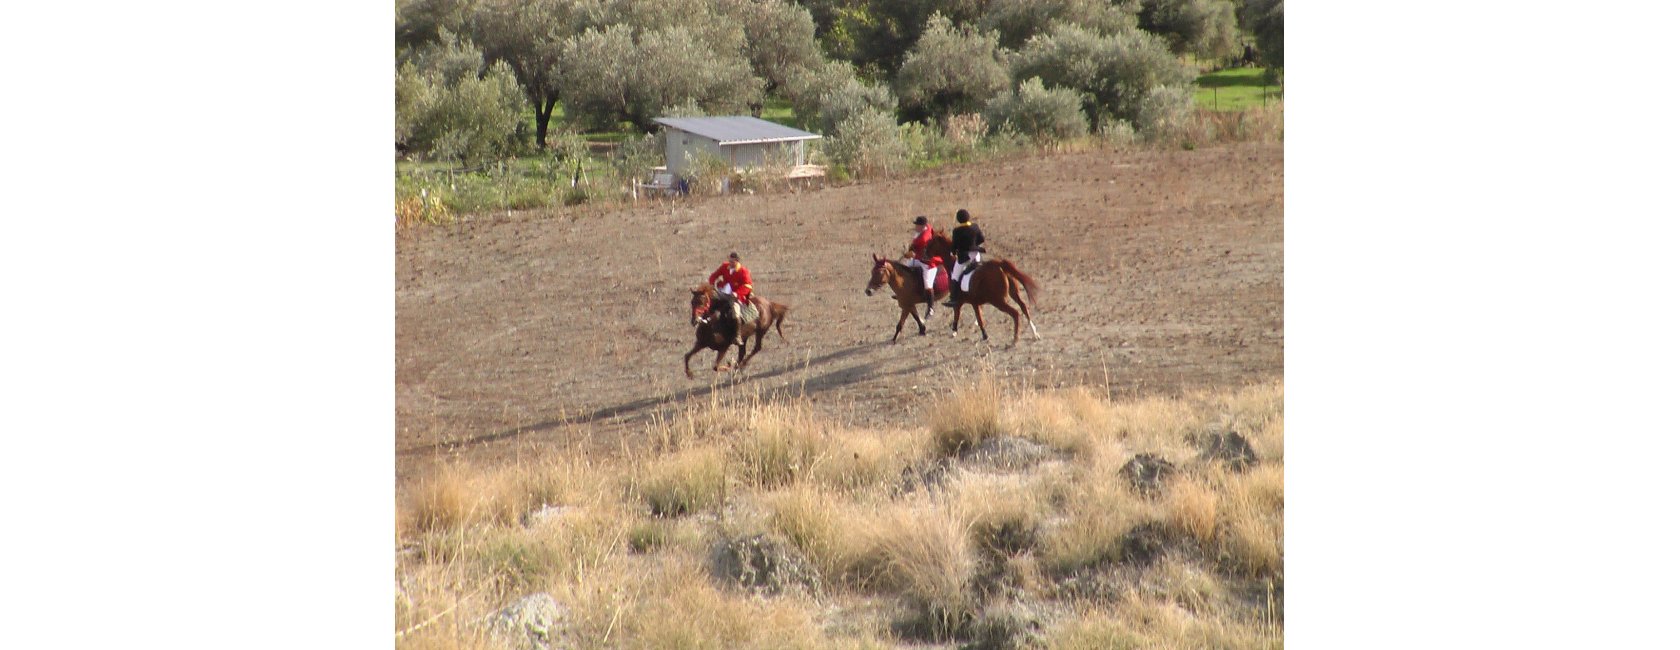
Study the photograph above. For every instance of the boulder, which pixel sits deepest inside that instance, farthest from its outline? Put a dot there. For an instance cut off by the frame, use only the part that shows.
(764, 565)
(1146, 472)
(1229, 448)
(535, 622)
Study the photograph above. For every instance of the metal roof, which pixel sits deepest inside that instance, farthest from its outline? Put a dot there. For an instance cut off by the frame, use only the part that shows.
(736, 129)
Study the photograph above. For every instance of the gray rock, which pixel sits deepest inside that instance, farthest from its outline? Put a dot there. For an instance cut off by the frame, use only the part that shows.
(535, 622)
(1146, 472)
(1008, 453)
(764, 565)
(1006, 627)
(1229, 448)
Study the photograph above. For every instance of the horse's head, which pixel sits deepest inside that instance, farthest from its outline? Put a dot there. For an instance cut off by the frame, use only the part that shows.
(878, 275)
(699, 303)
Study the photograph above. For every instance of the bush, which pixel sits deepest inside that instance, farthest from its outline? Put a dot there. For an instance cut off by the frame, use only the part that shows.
(451, 106)
(1166, 112)
(826, 95)
(951, 70)
(1113, 73)
(1016, 21)
(1043, 114)
(868, 145)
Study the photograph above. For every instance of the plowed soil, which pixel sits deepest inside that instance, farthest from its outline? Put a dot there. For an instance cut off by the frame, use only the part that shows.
(1162, 271)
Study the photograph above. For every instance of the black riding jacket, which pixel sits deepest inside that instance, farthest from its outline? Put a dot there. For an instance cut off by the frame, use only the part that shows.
(967, 239)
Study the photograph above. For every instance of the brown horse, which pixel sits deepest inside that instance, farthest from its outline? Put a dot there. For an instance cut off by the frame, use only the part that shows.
(991, 282)
(906, 285)
(714, 328)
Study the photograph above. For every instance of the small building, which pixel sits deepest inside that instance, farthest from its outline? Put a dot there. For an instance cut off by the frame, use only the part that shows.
(743, 142)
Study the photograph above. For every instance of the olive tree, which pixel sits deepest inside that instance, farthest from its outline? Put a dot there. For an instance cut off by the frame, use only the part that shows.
(1045, 114)
(614, 74)
(1015, 21)
(1265, 19)
(452, 106)
(951, 70)
(826, 95)
(1206, 28)
(1113, 73)
(528, 35)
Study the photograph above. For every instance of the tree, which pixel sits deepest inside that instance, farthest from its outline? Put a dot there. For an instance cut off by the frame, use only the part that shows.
(1207, 28)
(780, 38)
(1046, 114)
(951, 70)
(1113, 73)
(1265, 19)
(613, 74)
(450, 105)
(830, 93)
(419, 22)
(528, 35)
(1019, 20)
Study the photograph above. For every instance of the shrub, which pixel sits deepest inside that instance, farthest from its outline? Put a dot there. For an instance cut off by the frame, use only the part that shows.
(824, 96)
(951, 70)
(868, 144)
(1166, 114)
(451, 106)
(963, 420)
(1043, 114)
(1113, 73)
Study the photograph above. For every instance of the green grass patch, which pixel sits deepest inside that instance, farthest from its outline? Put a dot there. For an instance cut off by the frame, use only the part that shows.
(1235, 89)
(778, 110)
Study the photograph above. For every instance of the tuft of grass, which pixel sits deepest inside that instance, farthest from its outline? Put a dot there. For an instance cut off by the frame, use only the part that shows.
(921, 552)
(858, 460)
(1099, 511)
(685, 483)
(963, 420)
(811, 519)
(1002, 514)
(781, 443)
(1192, 506)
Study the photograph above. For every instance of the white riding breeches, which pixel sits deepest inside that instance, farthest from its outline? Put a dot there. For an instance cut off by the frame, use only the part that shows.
(929, 273)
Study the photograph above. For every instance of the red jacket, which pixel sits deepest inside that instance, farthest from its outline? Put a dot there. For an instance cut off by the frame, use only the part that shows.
(739, 281)
(918, 246)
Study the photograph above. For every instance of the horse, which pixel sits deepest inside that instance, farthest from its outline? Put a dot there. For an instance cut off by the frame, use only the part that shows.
(715, 329)
(989, 284)
(906, 285)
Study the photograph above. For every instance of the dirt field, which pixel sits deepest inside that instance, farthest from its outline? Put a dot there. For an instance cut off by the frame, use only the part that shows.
(1162, 272)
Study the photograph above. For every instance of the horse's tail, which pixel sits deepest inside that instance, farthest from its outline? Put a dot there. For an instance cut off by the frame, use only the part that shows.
(1021, 276)
(778, 311)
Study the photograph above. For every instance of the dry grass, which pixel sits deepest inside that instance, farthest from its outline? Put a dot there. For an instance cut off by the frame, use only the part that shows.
(684, 483)
(963, 419)
(623, 542)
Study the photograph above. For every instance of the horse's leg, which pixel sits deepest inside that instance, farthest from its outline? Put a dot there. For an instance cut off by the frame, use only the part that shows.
(981, 320)
(758, 344)
(921, 327)
(956, 318)
(1003, 306)
(902, 312)
(717, 364)
(1015, 292)
(688, 356)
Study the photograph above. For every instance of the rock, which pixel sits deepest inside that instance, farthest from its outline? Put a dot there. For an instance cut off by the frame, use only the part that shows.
(1008, 453)
(535, 622)
(1146, 472)
(546, 515)
(1229, 448)
(1006, 627)
(1144, 543)
(764, 565)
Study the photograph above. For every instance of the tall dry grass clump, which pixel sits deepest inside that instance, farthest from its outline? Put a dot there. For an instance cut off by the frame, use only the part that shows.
(858, 460)
(1003, 515)
(963, 419)
(1068, 420)
(683, 483)
(780, 443)
(919, 551)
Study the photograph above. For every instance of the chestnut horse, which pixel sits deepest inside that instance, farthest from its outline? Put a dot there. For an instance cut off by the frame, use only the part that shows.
(906, 283)
(714, 328)
(989, 284)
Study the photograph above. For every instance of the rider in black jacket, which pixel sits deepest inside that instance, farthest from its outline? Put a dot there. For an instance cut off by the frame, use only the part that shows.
(966, 246)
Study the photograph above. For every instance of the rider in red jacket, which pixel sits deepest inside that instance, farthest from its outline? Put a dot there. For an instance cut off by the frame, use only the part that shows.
(919, 258)
(735, 281)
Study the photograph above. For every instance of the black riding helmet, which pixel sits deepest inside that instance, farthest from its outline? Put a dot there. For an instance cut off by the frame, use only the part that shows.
(962, 215)
(920, 221)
